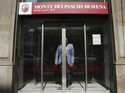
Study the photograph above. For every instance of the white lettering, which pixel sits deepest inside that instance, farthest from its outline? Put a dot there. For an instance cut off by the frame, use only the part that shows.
(97, 7)
(87, 6)
(56, 6)
(66, 6)
(93, 6)
(73, 6)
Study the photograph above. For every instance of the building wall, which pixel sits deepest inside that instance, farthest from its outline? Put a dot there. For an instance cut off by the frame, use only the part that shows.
(7, 15)
(118, 8)
(7, 18)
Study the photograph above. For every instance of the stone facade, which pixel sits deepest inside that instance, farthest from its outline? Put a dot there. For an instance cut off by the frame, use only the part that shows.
(118, 9)
(7, 16)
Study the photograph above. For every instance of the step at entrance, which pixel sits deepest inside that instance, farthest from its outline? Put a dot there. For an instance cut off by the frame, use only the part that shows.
(76, 87)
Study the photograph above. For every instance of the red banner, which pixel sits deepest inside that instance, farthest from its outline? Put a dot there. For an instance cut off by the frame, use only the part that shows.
(67, 8)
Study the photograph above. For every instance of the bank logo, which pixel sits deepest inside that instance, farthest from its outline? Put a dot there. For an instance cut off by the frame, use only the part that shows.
(25, 8)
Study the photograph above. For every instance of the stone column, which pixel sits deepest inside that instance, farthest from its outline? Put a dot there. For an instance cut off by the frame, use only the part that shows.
(118, 9)
(7, 17)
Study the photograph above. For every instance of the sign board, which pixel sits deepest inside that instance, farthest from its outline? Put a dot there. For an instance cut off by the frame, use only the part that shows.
(25, 8)
(32, 8)
(96, 39)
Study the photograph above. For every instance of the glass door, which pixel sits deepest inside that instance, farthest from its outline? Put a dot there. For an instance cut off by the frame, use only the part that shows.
(29, 58)
(52, 59)
(63, 59)
(75, 55)
(95, 59)
(63, 56)
(87, 65)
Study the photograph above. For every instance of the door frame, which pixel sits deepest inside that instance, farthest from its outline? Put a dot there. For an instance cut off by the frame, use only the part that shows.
(63, 38)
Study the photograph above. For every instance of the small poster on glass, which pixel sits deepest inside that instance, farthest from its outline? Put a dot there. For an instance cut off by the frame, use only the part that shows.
(96, 39)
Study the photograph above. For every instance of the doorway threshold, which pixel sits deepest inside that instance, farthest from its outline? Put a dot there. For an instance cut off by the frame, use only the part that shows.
(76, 87)
(31, 87)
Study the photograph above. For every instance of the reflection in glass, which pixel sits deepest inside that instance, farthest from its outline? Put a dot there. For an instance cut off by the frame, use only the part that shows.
(29, 58)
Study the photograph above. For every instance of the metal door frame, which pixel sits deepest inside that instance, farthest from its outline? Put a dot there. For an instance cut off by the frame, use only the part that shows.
(64, 81)
(42, 46)
(64, 56)
(63, 38)
(86, 57)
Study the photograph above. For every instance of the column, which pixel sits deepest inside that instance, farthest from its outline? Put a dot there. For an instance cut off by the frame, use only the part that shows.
(7, 16)
(118, 9)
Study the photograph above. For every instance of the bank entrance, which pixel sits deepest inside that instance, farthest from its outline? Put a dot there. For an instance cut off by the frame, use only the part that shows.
(63, 54)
